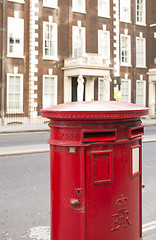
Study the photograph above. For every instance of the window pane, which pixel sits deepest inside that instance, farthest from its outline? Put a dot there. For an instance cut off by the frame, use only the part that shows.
(15, 36)
(103, 8)
(50, 39)
(49, 91)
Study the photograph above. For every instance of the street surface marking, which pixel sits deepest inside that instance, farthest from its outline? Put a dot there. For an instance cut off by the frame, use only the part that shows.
(40, 233)
(149, 226)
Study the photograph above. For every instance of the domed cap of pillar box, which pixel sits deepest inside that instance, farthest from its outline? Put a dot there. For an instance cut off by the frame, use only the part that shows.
(94, 110)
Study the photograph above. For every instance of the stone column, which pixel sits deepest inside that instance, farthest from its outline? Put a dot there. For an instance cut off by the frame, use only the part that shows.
(80, 88)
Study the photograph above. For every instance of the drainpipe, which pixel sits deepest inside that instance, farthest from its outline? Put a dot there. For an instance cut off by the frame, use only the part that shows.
(134, 50)
(3, 58)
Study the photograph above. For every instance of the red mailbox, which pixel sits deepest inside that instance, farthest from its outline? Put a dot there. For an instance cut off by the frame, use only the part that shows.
(96, 170)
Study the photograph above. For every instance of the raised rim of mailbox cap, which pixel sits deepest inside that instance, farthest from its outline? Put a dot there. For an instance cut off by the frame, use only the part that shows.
(94, 110)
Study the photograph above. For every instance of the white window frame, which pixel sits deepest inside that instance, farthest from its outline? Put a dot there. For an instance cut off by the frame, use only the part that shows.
(104, 8)
(18, 1)
(143, 93)
(101, 46)
(139, 22)
(79, 8)
(143, 53)
(129, 90)
(20, 46)
(55, 90)
(15, 110)
(125, 16)
(55, 40)
(76, 42)
(128, 50)
(50, 3)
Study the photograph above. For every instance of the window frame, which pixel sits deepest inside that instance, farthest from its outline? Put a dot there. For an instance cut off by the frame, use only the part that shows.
(143, 22)
(55, 89)
(101, 13)
(80, 9)
(107, 56)
(55, 55)
(21, 53)
(128, 63)
(144, 93)
(122, 5)
(99, 88)
(83, 47)
(20, 110)
(50, 5)
(129, 90)
(143, 53)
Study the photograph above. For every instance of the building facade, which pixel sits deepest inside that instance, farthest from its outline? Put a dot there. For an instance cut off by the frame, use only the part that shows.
(53, 49)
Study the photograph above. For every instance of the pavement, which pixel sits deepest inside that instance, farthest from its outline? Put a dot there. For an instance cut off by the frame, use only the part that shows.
(38, 148)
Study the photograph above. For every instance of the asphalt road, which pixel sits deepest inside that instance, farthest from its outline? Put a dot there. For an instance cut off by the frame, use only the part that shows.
(20, 139)
(24, 196)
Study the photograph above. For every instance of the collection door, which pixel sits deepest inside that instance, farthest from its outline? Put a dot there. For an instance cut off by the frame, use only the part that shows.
(113, 197)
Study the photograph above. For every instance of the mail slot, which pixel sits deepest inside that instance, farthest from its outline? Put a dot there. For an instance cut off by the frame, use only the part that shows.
(96, 170)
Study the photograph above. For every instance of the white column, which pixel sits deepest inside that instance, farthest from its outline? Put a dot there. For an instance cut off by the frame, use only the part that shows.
(152, 96)
(89, 93)
(80, 88)
(67, 88)
(106, 95)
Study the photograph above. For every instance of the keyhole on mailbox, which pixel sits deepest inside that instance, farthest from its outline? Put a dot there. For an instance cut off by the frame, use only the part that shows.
(78, 191)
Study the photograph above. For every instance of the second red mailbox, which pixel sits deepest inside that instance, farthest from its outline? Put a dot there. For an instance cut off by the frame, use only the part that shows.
(96, 175)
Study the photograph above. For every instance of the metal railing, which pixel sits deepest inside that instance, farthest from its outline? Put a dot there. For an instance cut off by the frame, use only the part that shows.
(21, 115)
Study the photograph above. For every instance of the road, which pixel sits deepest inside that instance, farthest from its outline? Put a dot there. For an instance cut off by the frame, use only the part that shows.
(24, 190)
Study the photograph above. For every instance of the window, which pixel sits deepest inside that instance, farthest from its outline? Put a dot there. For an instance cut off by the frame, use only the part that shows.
(125, 47)
(15, 37)
(79, 41)
(50, 3)
(125, 13)
(125, 90)
(14, 93)
(104, 43)
(100, 89)
(79, 6)
(140, 52)
(50, 40)
(49, 90)
(140, 11)
(103, 8)
(141, 92)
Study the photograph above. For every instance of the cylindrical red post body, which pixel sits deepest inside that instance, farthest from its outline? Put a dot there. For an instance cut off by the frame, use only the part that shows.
(96, 170)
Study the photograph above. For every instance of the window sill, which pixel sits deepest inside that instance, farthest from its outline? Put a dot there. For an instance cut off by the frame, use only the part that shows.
(104, 16)
(12, 56)
(125, 65)
(141, 24)
(83, 12)
(137, 66)
(50, 7)
(50, 58)
(20, 112)
(123, 21)
(16, 1)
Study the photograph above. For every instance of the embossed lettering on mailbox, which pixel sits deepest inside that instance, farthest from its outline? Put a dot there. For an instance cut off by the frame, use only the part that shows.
(121, 219)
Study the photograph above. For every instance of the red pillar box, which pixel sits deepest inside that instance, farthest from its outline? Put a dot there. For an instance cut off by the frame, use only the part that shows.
(96, 170)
